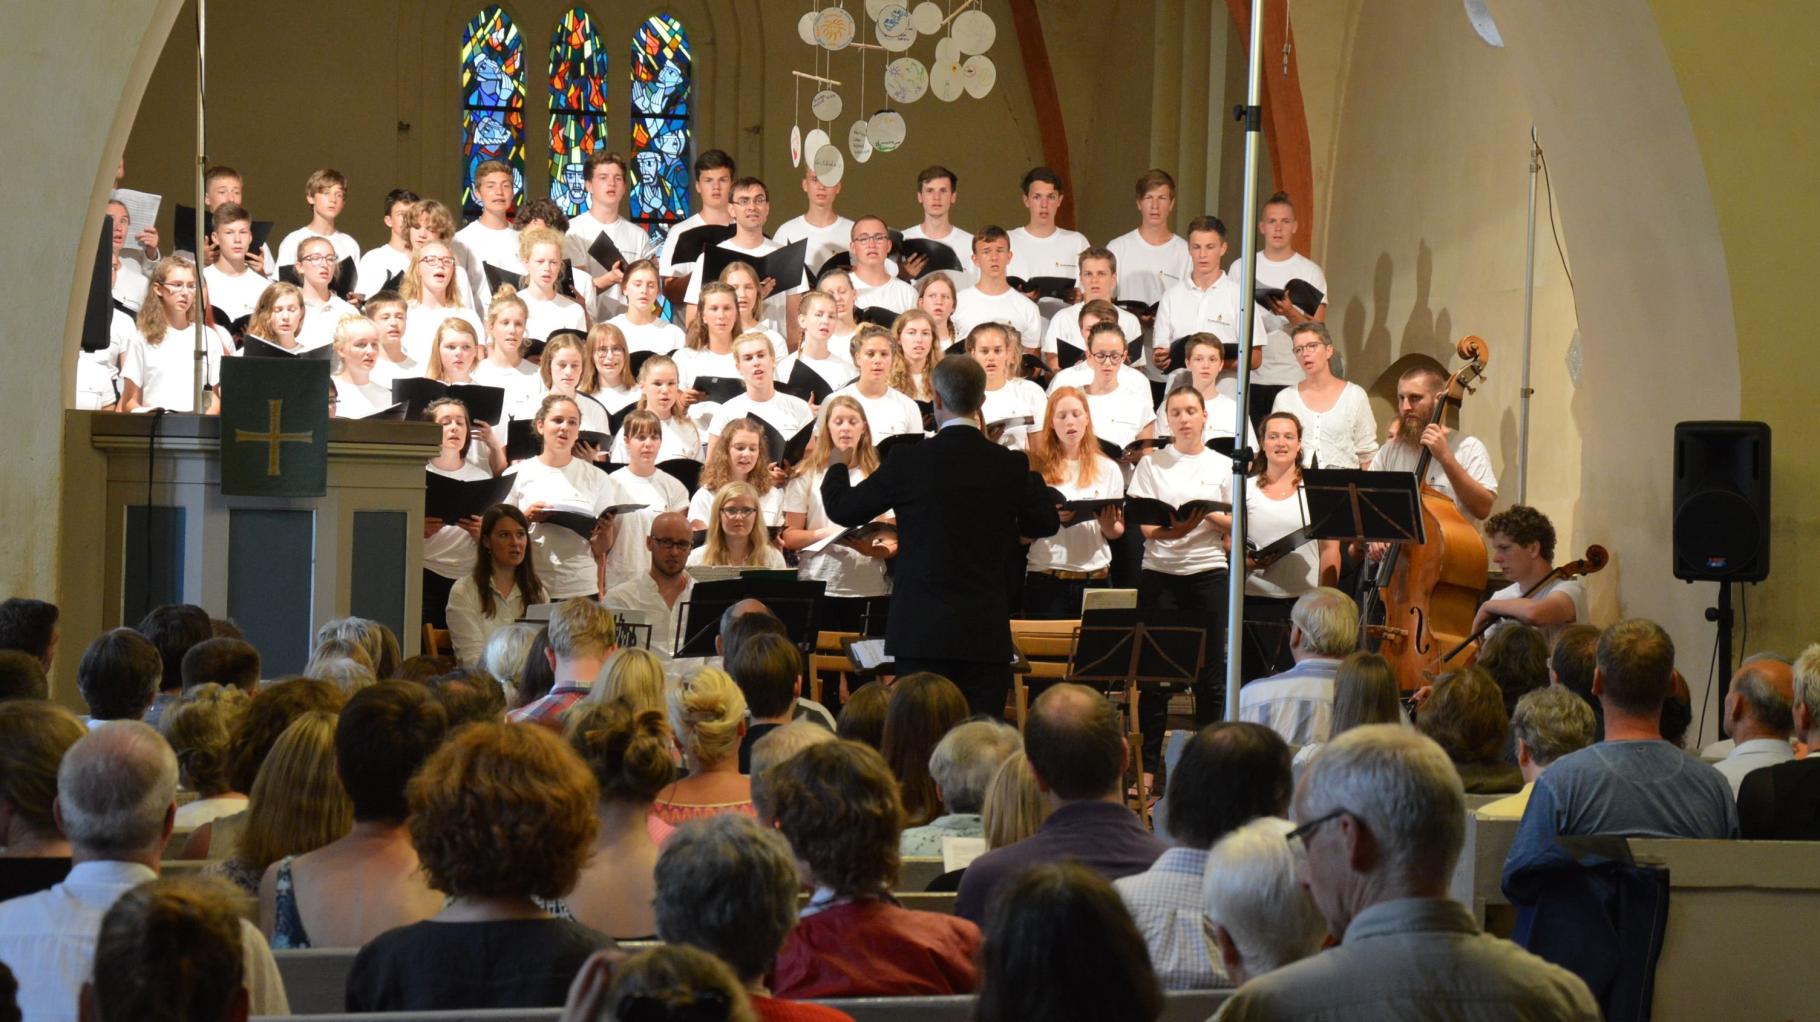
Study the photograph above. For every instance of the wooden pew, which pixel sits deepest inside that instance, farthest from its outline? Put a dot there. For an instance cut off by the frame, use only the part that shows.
(1049, 647)
(917, 871)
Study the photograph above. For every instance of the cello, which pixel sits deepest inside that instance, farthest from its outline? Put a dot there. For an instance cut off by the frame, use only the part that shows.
(1464, 654)
(1430, 591)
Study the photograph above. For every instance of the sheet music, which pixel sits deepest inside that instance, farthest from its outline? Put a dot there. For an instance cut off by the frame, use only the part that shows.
(141, 207)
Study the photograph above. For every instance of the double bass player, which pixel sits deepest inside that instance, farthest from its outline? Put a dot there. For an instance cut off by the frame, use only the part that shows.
(1461, 467)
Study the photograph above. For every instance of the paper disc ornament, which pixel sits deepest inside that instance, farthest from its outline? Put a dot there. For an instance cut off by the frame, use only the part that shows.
(927, 18)
(945, 81)
(886, 130)
(906, 80)
(978, 75)
(813, 142)
(796, 145)
(834, 29)
(875, 9)
(858, 142)
(805, 27)
(895, 30)
(973, 31)
(829, 165)
(826, 105)
(947, 51)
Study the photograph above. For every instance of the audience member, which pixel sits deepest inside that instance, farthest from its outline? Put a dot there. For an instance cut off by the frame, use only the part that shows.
(773, 749)
(1632, 783)
(1381, 821)
(768, 670)
(837, 805)
(1549, 723)
(1571, 664)
(1229, 774)
(421, 668)
(628, 751)
(1464, 714)
(633, 675)
(505, 656)
(1015, 806)
(1782, 802)
(1677, 711)
(30, 626)
(502, 814)
(1063, 949)
(1298, 703)
(675, 984)
(962, 767)
(708, 714)
(747, 618)
(116, 802)
(1516, 657)
(22, 676)
(346, 673)
(172, 628)
(1759, 718)
(169, 949)
(862, 717)
(376, 639)
(1364, 692)
(581, 638)
(360, 885)
(1259, 915)
(923, 708)
(728, 886)
(1078, 754)
(296, 804)
(233, 663)
(469, 696)
(118, 676)
(34, 736)
(1768, 663)
(200, 727)
(539, 675)
(273, 709)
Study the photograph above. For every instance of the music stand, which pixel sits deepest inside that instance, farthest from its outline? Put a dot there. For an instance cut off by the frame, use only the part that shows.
(791, 599)
(1361, 506)
(1139, 646)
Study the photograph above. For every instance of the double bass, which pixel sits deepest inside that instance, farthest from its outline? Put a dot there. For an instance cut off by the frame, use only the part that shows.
(1429, 592)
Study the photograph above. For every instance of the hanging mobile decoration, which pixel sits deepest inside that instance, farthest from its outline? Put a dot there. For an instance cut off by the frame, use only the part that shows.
(834, 28)
(979, 74)
(896, 31)
(859, 142)
(805, 27)
(796, 126)
(927, 17)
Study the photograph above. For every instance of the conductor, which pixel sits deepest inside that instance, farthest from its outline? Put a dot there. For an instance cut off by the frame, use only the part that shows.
(961, 502)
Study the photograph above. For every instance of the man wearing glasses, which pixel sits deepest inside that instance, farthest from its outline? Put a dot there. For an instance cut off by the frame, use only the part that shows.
(1382, 820)
(874, 285)
(659, 594)
(751, 206)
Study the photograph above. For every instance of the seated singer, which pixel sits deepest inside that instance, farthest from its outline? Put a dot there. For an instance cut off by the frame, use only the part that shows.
(961, 503)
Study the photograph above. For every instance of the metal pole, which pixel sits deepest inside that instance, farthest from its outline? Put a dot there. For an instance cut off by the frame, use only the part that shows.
(199, 376)
(1529, 303)
(1252, 115)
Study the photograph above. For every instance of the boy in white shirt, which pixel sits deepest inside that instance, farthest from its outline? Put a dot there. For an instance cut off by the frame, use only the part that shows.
(1152, 258)
(605, 174)
(714, 171)
(1040, 248)
(1207, 302)
(826, 231)
(992, 300)
(222, 184)
(379, 264)
(762, 400)
(936, 191)
(1099, 282)
(326, 191)
(1278, 264)
(751, 205)
(874, 285)
(232, 285)
(491, 238)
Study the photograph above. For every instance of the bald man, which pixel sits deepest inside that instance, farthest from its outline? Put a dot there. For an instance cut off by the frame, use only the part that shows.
(1760, 718)
(661, 592)
(1773, 664)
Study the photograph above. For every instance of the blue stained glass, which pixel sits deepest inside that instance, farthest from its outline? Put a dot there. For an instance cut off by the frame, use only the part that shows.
(578, 104)
(492, 101)
(662, 72)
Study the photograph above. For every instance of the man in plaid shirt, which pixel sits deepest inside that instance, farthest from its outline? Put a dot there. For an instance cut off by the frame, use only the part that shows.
(581, 638)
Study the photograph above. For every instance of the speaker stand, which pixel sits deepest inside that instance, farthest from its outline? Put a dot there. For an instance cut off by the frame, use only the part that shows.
(1722, 615)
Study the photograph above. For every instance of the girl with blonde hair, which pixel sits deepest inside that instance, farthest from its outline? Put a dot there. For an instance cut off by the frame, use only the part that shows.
(297, 804)
(609, 377)
(541, 249)
(431, 296)
(854, 571)
(157, 369)
(567, 370)
(708, 713)
(660, 393)
(736, 536)
(738, 455)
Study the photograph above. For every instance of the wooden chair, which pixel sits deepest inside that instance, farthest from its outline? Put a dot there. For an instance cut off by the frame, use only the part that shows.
(830, 655)
(1049, 648)
(436, 641)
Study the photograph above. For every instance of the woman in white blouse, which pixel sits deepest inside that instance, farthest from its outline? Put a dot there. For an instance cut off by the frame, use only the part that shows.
(1059, 568)
(854, 570)
(1276, 506)
(557, 481)
(1341, 431)
(501, 585)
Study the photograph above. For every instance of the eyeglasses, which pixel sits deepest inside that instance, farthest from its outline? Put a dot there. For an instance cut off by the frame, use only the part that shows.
(672, 544)
(751, 200)
(1298, 838)
(321, 258)
(437, 261)
(739, 512)
(1107, 357)
(179, 287)
(871, 239)
(1303, 349)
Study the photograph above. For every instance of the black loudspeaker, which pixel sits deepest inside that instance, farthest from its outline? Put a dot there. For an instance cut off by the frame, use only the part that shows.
(1722, 501)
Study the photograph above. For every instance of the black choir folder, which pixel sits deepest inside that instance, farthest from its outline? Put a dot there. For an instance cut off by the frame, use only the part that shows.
(485, 404)
(719, 389)
(1115, 452)
(786, 451)
(785, 265)
(1150, 511)
(691, 243)
(1274, 550)
(1059, 288)
(523, 441)
(454, 499)
(1301, 294)
(258, 347)
(581, 520)
(498, 277)
(806, 383)
(604, 252)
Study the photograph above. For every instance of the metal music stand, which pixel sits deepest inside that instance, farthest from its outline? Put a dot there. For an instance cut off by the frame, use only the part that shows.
(792, 600)
(1360, 506)
(1139, 647)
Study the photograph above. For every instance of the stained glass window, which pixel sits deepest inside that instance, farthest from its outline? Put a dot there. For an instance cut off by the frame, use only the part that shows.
(661, 72)
(578, 106)
(492, 102)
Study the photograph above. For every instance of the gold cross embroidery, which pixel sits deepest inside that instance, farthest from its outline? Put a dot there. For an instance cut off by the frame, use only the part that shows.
(272, 438)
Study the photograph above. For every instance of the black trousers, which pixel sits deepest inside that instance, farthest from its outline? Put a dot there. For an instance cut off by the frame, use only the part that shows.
(985, 683)
(1127, 559)
(436, 599)
(1204, 592)
(1047, 598)
(1265, 647)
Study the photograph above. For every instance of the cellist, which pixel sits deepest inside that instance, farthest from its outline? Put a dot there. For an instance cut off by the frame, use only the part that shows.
(1461, 467)
(1523, 545)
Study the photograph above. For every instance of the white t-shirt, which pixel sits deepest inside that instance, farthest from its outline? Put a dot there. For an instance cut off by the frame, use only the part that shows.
(564, 560)
(1573, 587)
(694, 363)
(235, 295)
(893, 294)
(1279, 366)
(1219, 311)
(1121, 415)
(320, 319)
(353, 402)
(345, 246)
(1146, 270)
(1015, 398)
(771, 559)
(1080, 375)
(962, 245)
(823, 243)
(1267, 521)
(659, 492)
(660, 335)
(628, 237)
(785, 412)
(131, 282)
(1176, 478)
(680, 440)
(973, 307)
(775, 309)
(834, 370)
(1080, 546)
(1344, 436)
(615, 399)
(420, 323)
(1058, 255)
(1222, 412)
(847, 572)
(1065, 327)
(98, 372)
(770, 507)
(891, 415)
(163, 371)
(484, 245)
(546, 317)
(449, 551)
(522, 383)
(1467, 450)
(378, 266)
